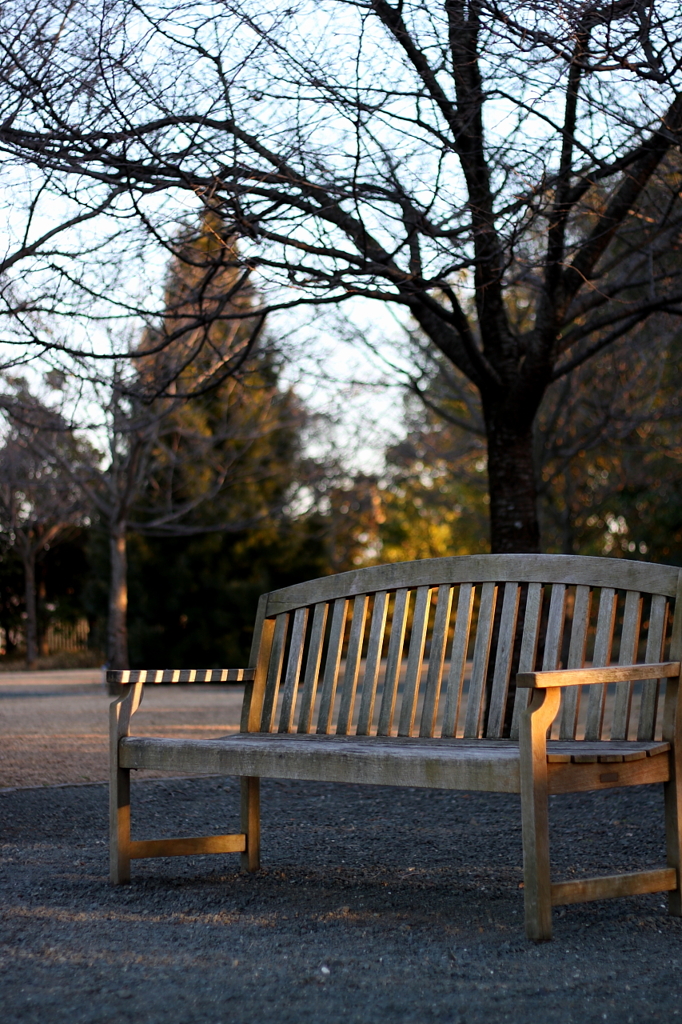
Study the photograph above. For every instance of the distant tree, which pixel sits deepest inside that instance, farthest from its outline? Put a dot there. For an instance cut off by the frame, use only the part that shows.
(39, 508)
(187, 451)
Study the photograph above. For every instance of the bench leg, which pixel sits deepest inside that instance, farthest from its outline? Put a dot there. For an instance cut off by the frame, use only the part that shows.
(537, 893)
(119, 825)
(673, 839)
(537, 889)
(250, 814)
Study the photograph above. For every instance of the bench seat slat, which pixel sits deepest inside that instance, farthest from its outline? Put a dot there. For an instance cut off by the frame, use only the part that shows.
(491, 765)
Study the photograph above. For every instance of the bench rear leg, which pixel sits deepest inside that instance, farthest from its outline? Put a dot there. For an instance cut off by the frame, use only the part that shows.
(119, 825)
(250, 822)
(673, 836)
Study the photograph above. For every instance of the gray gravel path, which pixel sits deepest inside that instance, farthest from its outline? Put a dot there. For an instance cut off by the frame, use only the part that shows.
(374, 905)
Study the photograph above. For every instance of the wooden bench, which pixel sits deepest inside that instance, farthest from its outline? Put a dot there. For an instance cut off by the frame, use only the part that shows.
(403, 675)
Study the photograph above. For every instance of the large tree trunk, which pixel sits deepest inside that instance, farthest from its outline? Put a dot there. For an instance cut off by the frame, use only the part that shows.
(31, 609)
(117, 626)
(514, 525)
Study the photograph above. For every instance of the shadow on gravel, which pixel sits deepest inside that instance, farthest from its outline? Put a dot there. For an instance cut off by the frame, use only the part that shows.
(374, 905)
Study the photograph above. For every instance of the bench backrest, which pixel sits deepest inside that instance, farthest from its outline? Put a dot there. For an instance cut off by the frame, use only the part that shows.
(431, 647)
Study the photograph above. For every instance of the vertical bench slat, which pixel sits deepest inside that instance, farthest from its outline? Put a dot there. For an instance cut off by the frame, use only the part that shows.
(373, 663)
(350, 676)
(274, 672)
(393, 660)
(331, 669)
(555, 628)
(554, 633)
(632, 616)
(654, 652)
(503, 660)
(293, 672)
(576, 659)
(606, 619)
(529, 647)
(484, 635)
(415, 661)
(312, 668)
(434, 674)
(458, 655)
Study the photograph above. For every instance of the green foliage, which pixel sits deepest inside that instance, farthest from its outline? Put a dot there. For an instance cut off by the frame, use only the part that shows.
(192, 600)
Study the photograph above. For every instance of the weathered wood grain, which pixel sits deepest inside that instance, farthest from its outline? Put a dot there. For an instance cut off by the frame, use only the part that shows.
(582, 890)
(187, 847)
(529, 647)
(484, 634)
(503, 660)
(274, 672)
(460, 644)
(570, 700)
(534, 787)
(370, 681)
(350, 676)
(290, 689)
(603, 640)
(597, 676)
(415, 662)
(331, 669)
(568, 569)
(646, 727)
(629, 638)
(312, 668)
(393, 662)
(436, 659)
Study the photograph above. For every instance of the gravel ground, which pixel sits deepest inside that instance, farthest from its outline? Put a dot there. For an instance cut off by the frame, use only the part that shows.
(54, 725)
(374, 905)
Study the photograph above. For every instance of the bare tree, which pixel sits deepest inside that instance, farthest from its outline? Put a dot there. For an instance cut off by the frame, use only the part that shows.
(440, 157)
(172, 467)
(39, 507)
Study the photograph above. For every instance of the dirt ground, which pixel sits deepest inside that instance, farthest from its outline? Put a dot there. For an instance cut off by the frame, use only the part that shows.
(373, 905)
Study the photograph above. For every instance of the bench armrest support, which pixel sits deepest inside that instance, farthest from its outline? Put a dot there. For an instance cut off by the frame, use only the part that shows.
(587, 676)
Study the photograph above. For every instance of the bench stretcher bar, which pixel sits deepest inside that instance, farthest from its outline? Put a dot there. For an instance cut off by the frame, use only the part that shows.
(582, 890)
(139, 849)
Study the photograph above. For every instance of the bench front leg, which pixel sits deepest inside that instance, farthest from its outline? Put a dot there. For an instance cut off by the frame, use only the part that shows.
(120, 714)
(250, 822)
(533, 726)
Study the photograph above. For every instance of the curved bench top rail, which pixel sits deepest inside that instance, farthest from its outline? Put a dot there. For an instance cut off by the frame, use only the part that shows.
(619, 573)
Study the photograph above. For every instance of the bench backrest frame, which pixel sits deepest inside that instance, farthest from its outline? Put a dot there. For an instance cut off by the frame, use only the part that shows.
(314, 615)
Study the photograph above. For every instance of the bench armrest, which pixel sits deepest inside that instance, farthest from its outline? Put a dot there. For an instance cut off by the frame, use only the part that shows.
(179, 675)
(610, 674)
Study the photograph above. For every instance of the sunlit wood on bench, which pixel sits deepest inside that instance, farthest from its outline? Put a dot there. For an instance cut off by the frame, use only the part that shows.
(486, 673)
